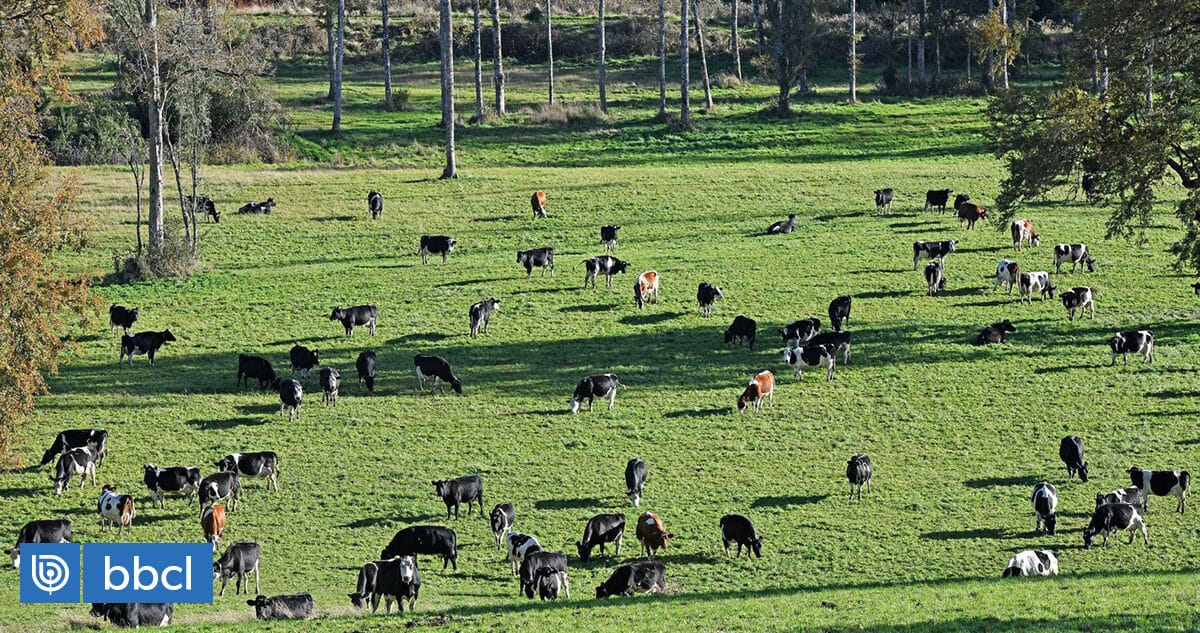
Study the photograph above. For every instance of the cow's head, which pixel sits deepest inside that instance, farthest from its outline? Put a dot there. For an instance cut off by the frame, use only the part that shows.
(756, 547)
(742, 401)
(1091, 265)
(15, 553)
(1083, 472)
(167, 336)
(441, 487)
(635, 497)
(959, 199)
(133, 314)
(1089, 536)
(1050, 522)
(585, 553)
(1006, 326)
(456, 385)
(1135, 476)
(1049, 290)
(408, 569)
(574, 404)
(226, 464)
(619, 267)
(258, 602)
(601, 591)
(337, 315)
(521, 257)
(99, 610)
(356, 599)
(1034, 239)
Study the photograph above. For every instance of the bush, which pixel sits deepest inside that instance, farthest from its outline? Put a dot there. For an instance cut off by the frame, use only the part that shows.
(564, 114)
(727, 80)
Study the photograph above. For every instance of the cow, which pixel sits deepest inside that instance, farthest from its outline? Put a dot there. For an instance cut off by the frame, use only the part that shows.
(212, 522)
(95, 439)
(935, 279)
(255, 367)
(1039, 282)
(1090, 183)
(706, 295)
(502, 521)
(635, 480)
(933, 250)
(206, 207)
(1022, 232)
(606, 265)
(937, 198)
(257, 208)
(537, 258)
(601, 529)
(518, 547)
(42, 531)
(742, 329)
(365, 364)
(396, 580)
(858, 473)
(539, 562)
(291, 396)
(366, 315)
(1077, 254)
(797, 332)
(424, 539)
(115, 509)
(810, 356)
(144, 343)
(1070, 451)
(839, 341)
(839, 311)
(761, 386)
(220, 486)
(592, 387)
(968, 211)
(1079, 298)
(550, 583)
(1196, 288)
(122, 317)
(883, 201)
(375, 204)
(1114, 516)
(646, 288)
(80, 461)
(303, 360)
(1045, 506)
(177, 479)
(438, 369)
(435, 245)
(296, 606)
(261, 465)
(1129, 494)
(481, 315)
(736, 528)
(995, 333)
(1161, 483)
(640, 576)
(330, 381)
(652, 534)
(608, 237)
(538, 202)
(1128, 342)
(132, 615)
(783, 226)
(1007, 272)
(454, 492)
(239, 561)
(1042, 562)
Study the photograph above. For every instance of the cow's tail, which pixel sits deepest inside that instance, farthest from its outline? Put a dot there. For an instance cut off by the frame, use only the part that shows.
(1185, 480)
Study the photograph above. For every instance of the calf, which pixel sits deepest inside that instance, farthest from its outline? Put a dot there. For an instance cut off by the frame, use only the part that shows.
(630, 578)
(291, 396)
(601, 529)
(762, 385)
(77, 461)
(356, 315)
(537, 258)
(995, 333)
(1077, 254)
(255, 367)
(646, 288)
(44, 531)
(1114, 516)
(1032, 563)
(296, 606)
(143, 343)
(592, 387)
(365, 364)
(502, 522)
(435, 245)
(1070, 451)
(1130, 494)
(1007, 272)
(519, 546)
(303, 360)
(1161, 483)
(706, 295)
(261, 465)
(132, 615)
(783, 226)
(206, 207)
(115, 509)
(454, 492)
(122, 317)
(736, 528)
(935, 279)
(839, 311)
(742, 329)
(883, 201)
(95, 439)
(539, 562)
(797, 332)
(257, 208)
(1045, 506)
(436, 368)
(1128, 342)
(635, 479)
(937, 198)
(608, 237)
(839, 341)
(481, 315)
(1079, 298)
(933, 250)
(606, 265)
(330, 381)
(968, 210)
(1022, 232)
(810, 356)
(538, 202)
(652, 534)
(858, 473)
(175, 479)
(375, 204)
(396, 580)
(425, 539)
(221, 486)
(1038, 282)
(212, 521)
(239, 561)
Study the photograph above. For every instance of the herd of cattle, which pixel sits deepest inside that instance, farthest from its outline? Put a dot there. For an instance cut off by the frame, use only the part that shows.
(395, 576)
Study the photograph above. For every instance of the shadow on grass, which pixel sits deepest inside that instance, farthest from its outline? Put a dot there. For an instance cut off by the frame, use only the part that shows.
(977, 533)
(699, 413)
(650, 319)
(787, 500)
(568, 504)
(989, 482)
(589, 308)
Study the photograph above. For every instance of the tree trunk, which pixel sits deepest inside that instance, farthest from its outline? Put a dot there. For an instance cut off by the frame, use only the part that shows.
(662, 58)
(685, 113)
(1150, 77)
(387, 56)
(708, 102)
(451, 170)
(475, 36)
(497, 57)
(937, 41)
(733, 40)
(989, 73)
(968, 42)
(550, 51)
(908, 21)
(1104, 71)
(853, 51)
(341, 55)
(784, 61)
(922, 22)
(1096, 71)
(1004, 46)
(331, 46)
(137, 181)
(154, 112)
(603, 95)
(760, 46)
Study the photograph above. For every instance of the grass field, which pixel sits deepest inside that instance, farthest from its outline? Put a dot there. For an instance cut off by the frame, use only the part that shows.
(958, 433)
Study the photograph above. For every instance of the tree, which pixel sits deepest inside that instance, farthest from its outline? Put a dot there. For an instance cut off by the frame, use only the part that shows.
(662, 58)
(759, 39)
(734, 47)
(922, 29)
(793, 34)
(908, 22)
(600, 56)
(478, 52)
(550, 52)
(685, 107)
(330, 25)
(497, 58)
(853, 51)
(708, 102)
(387, 55)
(337, 71)
(451, 170)
(998, 43)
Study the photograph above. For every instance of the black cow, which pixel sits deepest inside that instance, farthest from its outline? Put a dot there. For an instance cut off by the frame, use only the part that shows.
(296, 606)
(79, 461)
(839, 341)
(303, 360)
(356, 315)
(742, 329)
(933, 250)
(424, 539)
(535, 563)
(258, 208)
(797, 332)
(627, 579)
(437, 368)
(1077, 254)
(239, 561)
(122, 317)
(937, 198)
(537, 258)
(502, 517)
(206, 207)
(706, 295)
(1091, 186)
(291, 396)
(434, 245)
(1070, 451)
(736, 528)
(176, 479)
(261, 465)
(481, 315)
(396, 580)
(603, 265)
(601, 529)
(883, 201)
(608, 237)
(220, 486)
(858, 473)
(935, 279)
(1162, 483)
(995, 333)
(366, 369)
(143, 343)
(330, 381)
(132, 615)
(375, 204)
(839, 311)
(95, 439)
(1114, 516)
(783, 226)
(550, 583)
(592, 387)
(1128, 342)
(44, 531)
(635, 479)
(454, 492)
(1196, 288)
(255, 367)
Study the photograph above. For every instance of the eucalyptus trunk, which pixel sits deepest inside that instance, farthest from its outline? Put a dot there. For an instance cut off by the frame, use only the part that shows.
(497, 57)
(760, 45)
(685, 110)
(451, 170)
(853, 51)
(733, 40)
(331, 47)
(550, 51)
(909, 29)
(603, 95)
(708, 102)
(155, 114)
(922, 24)
(662, 58)
(341, 56)
(387, 56)
(475, 35)
(1004, 45)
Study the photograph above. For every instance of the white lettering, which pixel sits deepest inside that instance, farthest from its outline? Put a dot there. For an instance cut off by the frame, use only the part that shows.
(108, 572)
(137, 576)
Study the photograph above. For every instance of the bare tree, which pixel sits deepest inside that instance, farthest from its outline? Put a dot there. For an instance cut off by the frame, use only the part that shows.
(760, 46)
(909, 29)
(341, 55)
(387, 56)
(1004, 45)
(733, 39)
(685, 113)
(451, 170)
(497, 57)
(922, 20)
(603, 96)
(853, 51)
(331, 48)
(478, 50)
(550, 51)
(708, 102)
(662, 58)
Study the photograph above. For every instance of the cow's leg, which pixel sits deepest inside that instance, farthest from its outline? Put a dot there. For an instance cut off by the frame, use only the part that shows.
(224, 579)
(150, 357)
(612, 398)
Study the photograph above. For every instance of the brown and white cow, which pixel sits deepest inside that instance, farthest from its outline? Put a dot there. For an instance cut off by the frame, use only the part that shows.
(646, 288)
(652, 534)
(538, 202)
(759, 387)
(212, 521)
(115, 509)
(1023, 231)
(1008, 272)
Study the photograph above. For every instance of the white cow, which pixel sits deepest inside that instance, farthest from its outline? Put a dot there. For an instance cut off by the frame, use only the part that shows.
(1032, 563)
(1039, 282)
(1007, 272)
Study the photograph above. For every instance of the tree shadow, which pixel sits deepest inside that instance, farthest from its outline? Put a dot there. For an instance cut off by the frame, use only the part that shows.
(581, 503)
(228, 423)
(419, 337)
(885, 294)
(1023, 480)
(333, 218)
(589, 308)
(470, 282)
(784, 501)
(650, 319)
(698, 413)
(977, 533)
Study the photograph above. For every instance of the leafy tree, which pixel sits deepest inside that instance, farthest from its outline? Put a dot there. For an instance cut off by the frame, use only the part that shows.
(793, 33)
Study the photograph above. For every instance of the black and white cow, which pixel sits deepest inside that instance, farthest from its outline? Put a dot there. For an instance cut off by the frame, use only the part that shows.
(797, 332)
(239, 561)
(291, 396)
(43, 531)
(121, 317)
(295, 606)
(481, 315)
(1114, 517)
(883, 201)
(1077, 254)
(592, 387)
(736, 528)
(1128, 342)
(810, 356)
(537, 258)
(1045, 506)
(257, 208)
(1079, 298)
(537, 563)
(858, 473)
(454, 492)
(706, 295)
(742, 329)
(1042, 562)
(366, 315)
(433, 540)
(255, 367)
(937, 198)
(143, 343)
(550, 583)
(935, 278)
(606, 265)
(396, 580)
(838, 341)
(95, 439)
(630, 578)
(375, 204)
(438, 369)
(933, 250)
(261, 465)
(839, 311)
(1129, 494)
(783, 226)
(365, 364)
(601, 529)
(635, 480)
(205, 207)
(502, 517)
(1007, 272)
(132, 615)
(303, 360)
(330, 380)
(995, 333)
(518, 546)
(1038, 282)
(1070, 451)
(180, 480)
(1162, 483)
(79, 461)
(220, 486)
(436, 245)
(115, 509)
(608, 237)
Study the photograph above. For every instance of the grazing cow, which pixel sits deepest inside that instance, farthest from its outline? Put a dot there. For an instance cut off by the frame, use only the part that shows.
(883, 201)
(630, 578)
(303, 360)
(1128, 342)
(212, 521)
(1041, 562)
(95, 439)
(652, 534)
(1077, 254)
(115, 509)
(783, 226)
(635, 479)
(1045, 506)
(1114, 516)
(537, 258)
(839, 341)
(255, 367)
(296, 606)
(396, 580)
(1070, 451)
(436, 368)
(810, 356)
(608, 237)
(592, 387)
(144, 343)
(454, 492)
(206, 207)
(43, 531)
(365, 364)
(176, 479)
(122, 317)
(839, 311)
(646, 288)
(706, 295)
(1091, 185)
(935, 279)
(995, 333)
(132, 615)
(1079, 298)
(933, 250)
(425, 539)
(330, 381)
(968, 210)
(502, 521)
(606, 265)
(539, 562)
(239, 561)
(858, 473)
(375, 204)
(601, 529)
(762, 385)
(1007, 272)
(550, 582)
(434, 245)
(1162, 483)
(79, 461)
(518, 547)
(257, 208)
(1196, 288)
(538, 202)
(1129, 494)
(1039, 282)
(261, 465)
(1022, 232)
(937, 198)
(291, 395)
(356, 315)
(736, 528)
(220, 486)
(742, 329)
(481, 315)
(797, 332)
